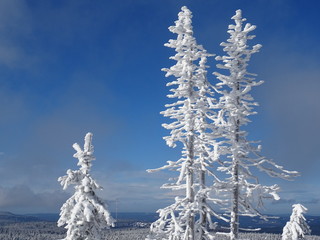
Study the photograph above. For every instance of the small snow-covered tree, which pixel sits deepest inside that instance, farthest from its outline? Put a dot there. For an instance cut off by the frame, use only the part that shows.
(84, 214)
(242, 156)
(297, 227)
(190, 128)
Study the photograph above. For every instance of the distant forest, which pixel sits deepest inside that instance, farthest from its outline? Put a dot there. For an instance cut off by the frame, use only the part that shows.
(50, 231)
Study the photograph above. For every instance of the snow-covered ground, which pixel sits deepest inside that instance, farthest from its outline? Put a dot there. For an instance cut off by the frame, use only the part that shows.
(49, 231)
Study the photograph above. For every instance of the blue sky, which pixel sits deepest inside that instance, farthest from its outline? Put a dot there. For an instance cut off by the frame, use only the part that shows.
(69, 67)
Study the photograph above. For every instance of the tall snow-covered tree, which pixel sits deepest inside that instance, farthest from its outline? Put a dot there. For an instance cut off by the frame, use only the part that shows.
(206, 147)
(236, 104)
(297, 227)
(190, 128)
(84, 214)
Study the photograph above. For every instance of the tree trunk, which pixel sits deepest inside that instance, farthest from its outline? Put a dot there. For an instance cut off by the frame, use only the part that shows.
(189, 187)
(234, 223)
(203, 215)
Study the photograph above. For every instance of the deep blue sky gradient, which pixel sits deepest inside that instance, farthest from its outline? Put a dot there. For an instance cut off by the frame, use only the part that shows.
(69, 67)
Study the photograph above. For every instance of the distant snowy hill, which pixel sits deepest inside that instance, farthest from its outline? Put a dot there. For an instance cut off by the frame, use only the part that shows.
(123, 219)
(127, 217)
(8, 217)
(131, 220)
(47, 217)
(276, 225)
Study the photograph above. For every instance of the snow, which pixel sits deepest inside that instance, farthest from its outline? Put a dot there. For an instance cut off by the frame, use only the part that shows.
(236, 105)
(297, 227)
(84, 214)
(211, 134)
(192, 116)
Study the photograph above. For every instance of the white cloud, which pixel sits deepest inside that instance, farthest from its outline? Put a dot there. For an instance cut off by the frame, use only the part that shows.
(22, 199)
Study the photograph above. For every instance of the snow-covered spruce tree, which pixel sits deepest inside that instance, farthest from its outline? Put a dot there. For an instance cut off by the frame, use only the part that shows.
(236, 104)
(297, 227)
(191, 129)
(206, 148)
(83, 214)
